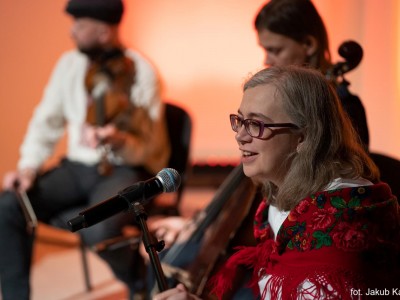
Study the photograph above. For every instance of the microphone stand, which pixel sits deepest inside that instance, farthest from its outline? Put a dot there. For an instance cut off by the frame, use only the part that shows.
(151, 245)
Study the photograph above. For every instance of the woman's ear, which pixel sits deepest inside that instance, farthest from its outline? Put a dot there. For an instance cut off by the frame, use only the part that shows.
(310, 44)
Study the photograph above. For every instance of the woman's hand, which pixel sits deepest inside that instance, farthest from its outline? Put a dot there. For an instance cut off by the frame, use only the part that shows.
(178, 293)
(167, 229)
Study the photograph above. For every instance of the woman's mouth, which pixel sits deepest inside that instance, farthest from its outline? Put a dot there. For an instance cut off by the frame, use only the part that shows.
(247, 153)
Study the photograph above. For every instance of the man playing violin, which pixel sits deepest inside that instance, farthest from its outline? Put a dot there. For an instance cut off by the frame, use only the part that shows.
(123, 142)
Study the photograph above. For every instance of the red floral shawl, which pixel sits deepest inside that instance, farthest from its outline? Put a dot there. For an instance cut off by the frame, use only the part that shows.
(343, 241)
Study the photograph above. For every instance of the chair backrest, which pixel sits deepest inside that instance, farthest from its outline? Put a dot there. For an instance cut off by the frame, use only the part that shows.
(390, 171)
(179, 125)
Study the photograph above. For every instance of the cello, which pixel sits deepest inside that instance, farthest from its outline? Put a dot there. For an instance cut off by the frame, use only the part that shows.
(212, 234)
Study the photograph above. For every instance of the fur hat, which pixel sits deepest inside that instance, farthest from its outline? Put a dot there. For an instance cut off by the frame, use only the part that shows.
(109, 11)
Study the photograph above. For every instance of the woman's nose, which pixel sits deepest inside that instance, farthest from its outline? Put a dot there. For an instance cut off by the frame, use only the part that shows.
(242, 136)
(268, 62)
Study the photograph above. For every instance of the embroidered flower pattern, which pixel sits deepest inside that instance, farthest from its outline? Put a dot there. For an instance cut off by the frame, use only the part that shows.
(335, 218)
(300, 209)
(322, 219)
(327, 221)
(261, 225)
(350, 237)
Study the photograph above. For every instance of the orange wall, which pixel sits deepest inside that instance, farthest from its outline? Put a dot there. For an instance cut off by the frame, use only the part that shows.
(203, 51)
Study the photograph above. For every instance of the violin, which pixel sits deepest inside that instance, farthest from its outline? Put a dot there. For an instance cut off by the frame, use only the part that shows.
(109, 81)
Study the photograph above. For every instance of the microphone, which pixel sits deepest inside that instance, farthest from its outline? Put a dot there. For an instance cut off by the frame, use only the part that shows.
(352, 52)
(167, 180)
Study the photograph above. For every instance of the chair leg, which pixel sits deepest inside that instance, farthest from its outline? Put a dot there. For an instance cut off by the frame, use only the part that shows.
(85, 266)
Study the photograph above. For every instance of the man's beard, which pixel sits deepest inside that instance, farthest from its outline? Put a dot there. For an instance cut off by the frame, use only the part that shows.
(94, 52)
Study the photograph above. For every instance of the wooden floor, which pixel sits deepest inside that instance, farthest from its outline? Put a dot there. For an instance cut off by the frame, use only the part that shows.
(57, 274)
(57, 270)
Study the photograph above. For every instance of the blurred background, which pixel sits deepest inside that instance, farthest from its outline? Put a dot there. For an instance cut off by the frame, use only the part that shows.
(203, 51)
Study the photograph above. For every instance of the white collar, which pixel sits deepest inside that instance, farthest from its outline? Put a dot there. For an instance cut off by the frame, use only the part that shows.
(346, 182)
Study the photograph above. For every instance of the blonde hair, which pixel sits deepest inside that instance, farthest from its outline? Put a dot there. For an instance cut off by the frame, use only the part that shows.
(330, 148)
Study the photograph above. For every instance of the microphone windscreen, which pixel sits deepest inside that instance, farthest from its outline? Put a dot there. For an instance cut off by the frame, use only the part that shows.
(170, 178)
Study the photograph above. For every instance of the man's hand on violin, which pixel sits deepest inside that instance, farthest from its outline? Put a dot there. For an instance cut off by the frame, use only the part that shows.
(107, 135)
(111, 136)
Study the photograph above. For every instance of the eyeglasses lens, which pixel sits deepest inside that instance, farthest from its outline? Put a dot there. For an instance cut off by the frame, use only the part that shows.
(253, 128)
